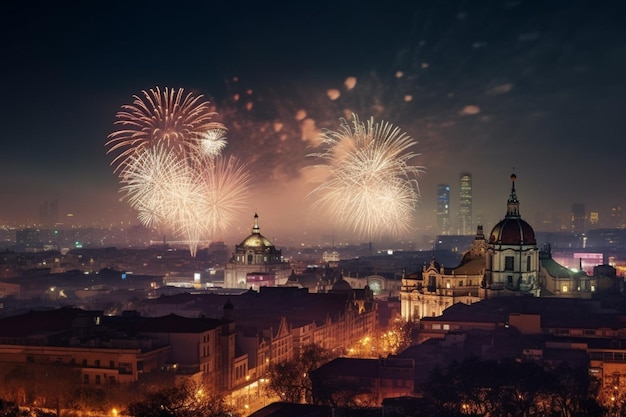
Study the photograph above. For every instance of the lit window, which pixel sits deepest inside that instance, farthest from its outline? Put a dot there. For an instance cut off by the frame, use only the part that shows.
(564, 288)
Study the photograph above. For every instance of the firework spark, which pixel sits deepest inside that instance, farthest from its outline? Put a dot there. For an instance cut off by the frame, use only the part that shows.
(371, 186)
(168, 115)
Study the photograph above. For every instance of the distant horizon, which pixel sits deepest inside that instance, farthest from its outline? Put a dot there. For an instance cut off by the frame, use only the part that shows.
(492, 88)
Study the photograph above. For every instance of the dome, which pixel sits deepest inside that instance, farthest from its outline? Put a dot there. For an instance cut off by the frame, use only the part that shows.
(513, 231)
(341, 286)
(256, 239)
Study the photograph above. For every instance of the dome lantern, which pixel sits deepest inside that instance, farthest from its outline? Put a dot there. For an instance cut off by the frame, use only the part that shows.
(512, 230)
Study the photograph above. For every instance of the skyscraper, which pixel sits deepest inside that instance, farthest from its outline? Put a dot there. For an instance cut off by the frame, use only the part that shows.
(465, 205)
(443, 209)
(579, 218)
(49, 213)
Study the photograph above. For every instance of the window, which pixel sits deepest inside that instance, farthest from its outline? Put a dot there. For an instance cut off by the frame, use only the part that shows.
(98, 379)
(85, 379)
(111, 364)
(84, 362)
(509, 279)
(564, 288)
(97, 363)
(461, 283)
(432, 282)
(508, 263)
(126, 368)
(528, 263)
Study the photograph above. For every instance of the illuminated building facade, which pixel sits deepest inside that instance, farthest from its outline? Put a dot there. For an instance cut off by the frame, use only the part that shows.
(255, 256)
(443, 209)
(465, 204)
(507, 262)
(512, 260)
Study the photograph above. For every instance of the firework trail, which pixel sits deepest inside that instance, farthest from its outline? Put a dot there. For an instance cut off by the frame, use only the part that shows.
(170, 116)
(371, 186)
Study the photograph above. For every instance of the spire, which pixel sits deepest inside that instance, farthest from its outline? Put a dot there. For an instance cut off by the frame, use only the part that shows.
(512, 204)
(480, 235)
(255, 228)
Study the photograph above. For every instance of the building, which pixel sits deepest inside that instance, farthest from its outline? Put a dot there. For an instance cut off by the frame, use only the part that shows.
(512, 258)
(366, 382)
(255, 262)
(579, 218)
(82, 341)
(506, 263)
(443, 209)
(587, 333)
(465, 205)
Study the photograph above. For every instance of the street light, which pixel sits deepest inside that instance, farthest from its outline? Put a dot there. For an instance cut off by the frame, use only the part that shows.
(248, 389)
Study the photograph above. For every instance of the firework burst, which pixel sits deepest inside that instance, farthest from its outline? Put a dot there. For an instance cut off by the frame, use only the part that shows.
(172, 116)
(193, 200)
(149, 181)
(371, 186)
(170, 165)
(212, 142)
(226, 186)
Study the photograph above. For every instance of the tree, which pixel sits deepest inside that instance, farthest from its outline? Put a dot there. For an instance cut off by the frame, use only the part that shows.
(510, 388)
(183, 400)
(8, 409)
(43, 385)
(396, 338)
(291, 380)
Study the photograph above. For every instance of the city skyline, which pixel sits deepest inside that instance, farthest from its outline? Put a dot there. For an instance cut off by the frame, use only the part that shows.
(488, 89)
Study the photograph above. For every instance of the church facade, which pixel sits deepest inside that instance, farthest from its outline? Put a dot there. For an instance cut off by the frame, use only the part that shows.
(506, 263)
(256, 263)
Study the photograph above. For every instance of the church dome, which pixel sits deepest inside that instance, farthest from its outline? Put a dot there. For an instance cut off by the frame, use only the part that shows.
(341, 286)
(256, 239)
(512, 230)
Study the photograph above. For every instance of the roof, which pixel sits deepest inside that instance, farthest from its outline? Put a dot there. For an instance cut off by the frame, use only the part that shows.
(46, 322)
(512, 231)
(284, 409)
(172, 323)
(554, 269)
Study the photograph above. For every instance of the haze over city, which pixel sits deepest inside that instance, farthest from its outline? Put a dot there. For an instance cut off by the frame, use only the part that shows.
(488, 88)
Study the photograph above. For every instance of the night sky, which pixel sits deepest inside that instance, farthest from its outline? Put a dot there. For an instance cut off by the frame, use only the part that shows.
(485, 87)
